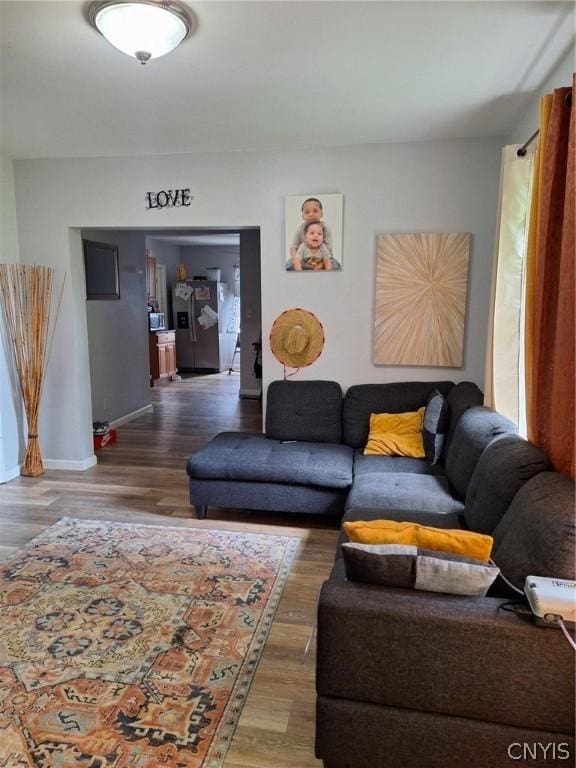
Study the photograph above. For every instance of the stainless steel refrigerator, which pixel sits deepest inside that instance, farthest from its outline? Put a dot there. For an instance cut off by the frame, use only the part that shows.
(199, 347)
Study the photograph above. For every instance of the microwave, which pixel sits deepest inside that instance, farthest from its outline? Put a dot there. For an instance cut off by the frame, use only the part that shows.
(156, 321)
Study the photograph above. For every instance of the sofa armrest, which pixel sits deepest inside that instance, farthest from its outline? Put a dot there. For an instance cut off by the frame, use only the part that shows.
(443, 653)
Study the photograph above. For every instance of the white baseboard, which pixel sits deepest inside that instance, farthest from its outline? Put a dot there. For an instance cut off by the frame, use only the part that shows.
(131, 416)
(10, 474)
(75, 466)
(254, 394)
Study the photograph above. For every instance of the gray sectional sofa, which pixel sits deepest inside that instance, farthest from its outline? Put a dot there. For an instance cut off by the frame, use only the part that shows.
(411, 679)
(310, 456)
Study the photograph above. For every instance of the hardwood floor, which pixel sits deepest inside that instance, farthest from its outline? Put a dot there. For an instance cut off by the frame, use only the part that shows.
(143, 479)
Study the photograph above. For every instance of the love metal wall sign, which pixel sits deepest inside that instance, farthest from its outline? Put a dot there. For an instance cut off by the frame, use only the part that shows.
(169, 198)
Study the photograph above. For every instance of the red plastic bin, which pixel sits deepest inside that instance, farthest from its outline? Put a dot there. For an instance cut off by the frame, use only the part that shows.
(102, 440)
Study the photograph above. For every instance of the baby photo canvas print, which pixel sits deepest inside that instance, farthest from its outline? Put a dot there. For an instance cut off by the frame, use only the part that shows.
(313, 232)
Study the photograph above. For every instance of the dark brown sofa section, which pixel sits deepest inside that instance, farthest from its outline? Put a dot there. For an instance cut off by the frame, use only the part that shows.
(409, 679)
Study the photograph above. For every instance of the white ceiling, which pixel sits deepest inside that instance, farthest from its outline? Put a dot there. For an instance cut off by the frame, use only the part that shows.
(258, 75)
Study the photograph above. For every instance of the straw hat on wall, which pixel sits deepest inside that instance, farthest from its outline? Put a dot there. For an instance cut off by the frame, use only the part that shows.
(297, 338)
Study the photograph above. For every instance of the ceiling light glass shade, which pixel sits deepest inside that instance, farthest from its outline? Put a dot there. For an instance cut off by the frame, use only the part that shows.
(144, 29)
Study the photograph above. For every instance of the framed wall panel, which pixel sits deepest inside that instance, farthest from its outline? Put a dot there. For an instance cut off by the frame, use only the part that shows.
(420, 299)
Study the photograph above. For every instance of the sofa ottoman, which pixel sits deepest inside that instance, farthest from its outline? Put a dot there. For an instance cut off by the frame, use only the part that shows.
(398, 496)
(250, 464)
(299, 465)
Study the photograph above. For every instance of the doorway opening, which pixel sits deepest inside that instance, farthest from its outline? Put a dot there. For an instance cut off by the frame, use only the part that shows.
(197, 291)
(189, 307)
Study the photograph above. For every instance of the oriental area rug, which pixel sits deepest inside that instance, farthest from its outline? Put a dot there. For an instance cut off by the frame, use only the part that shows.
(132, 646)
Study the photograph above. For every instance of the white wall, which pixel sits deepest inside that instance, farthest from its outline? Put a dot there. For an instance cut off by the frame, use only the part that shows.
(529, 120)
(11, 411)
(425, 187)
(434, 186)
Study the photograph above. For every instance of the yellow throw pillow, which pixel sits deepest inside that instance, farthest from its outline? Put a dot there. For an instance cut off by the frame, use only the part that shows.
(396, 434)
(456, 542)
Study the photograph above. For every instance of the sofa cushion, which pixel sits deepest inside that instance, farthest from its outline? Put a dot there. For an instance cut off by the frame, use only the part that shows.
(405, 494)
(435, 426)
(363, 399)
(304, 410)
(506, 464)
(364, 465)
(475, 431)
(411, 567)
(241, 456)
(536, 536)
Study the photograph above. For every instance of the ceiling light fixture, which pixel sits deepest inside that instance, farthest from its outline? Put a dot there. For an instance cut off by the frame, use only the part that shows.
(144, 29)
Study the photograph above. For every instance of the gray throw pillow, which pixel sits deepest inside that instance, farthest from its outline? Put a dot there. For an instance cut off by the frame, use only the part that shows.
(435, 426)
(409, 567)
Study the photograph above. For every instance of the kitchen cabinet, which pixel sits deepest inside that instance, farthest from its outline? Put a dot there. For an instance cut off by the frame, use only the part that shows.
(162, 348)
(150, 277)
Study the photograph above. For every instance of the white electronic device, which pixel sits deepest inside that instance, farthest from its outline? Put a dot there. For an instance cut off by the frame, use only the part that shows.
(551, 600)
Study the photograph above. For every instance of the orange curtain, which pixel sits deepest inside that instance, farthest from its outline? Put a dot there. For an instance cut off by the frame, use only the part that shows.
(550, 320)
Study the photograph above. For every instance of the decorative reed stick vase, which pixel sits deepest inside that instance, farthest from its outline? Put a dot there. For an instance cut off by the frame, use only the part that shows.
(26, 292)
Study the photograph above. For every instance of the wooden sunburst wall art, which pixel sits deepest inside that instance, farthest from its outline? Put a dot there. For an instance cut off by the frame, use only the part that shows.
(420, 305)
